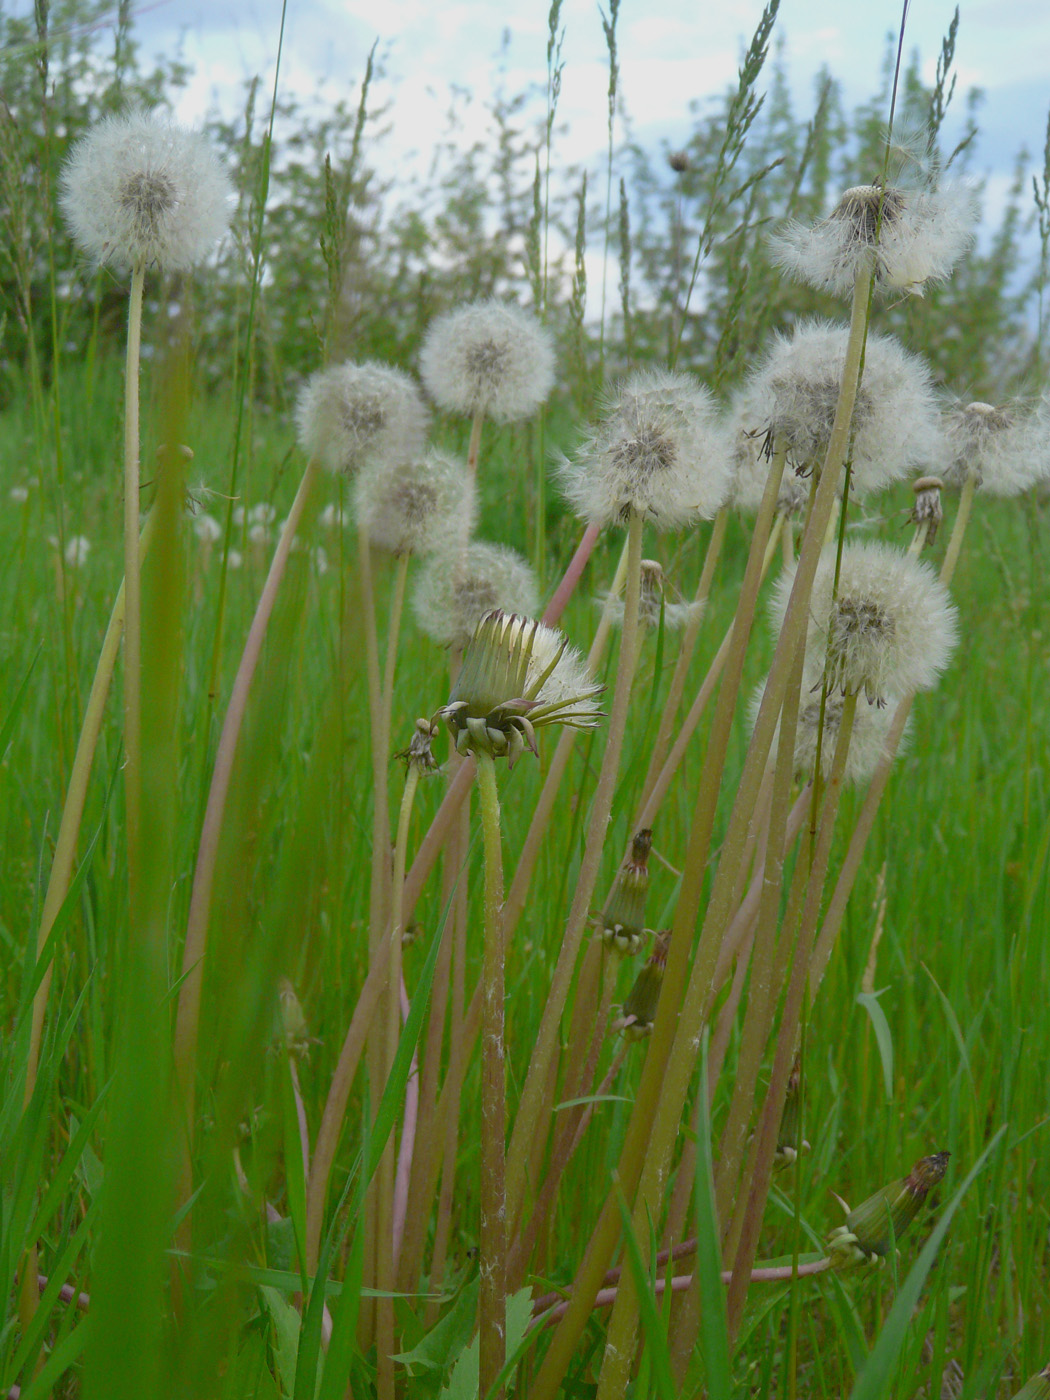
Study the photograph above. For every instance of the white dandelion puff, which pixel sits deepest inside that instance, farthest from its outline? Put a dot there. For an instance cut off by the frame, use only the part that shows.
(889, 630)
(416, 507)
(351, 414)
(488, 357)
(868, 736)
(139, 189)
(455, 590)
(659, 451)
(896, 423)
(653, 602)
(751, 459)
(76, 552)
(206, 528)
(18, 495)
(1006, 450)
(915, 236)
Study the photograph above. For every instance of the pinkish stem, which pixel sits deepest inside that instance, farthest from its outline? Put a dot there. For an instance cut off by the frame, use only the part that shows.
(408, 1140)
(577, 564)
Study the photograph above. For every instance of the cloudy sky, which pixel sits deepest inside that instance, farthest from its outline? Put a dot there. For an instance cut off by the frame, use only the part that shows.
(671, 52)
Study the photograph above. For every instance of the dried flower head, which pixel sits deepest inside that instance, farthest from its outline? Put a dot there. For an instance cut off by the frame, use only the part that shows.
(639, 1007)
(622, 921)
(488, 357)
(874, 1227)
(456, 588)
(139, 189)
(517, 676)
(896, 423)
(927, 509)
(419, 755)
(418, 506)
(659, 451)
(350, 414)
(653, 602)
(914, 237)
(888, 630)
(1005, 450)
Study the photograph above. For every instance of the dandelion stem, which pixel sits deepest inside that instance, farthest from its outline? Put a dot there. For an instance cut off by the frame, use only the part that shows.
(571, 578)
(493, 1235)
(133, 588)
(474, 446)
(962, 516)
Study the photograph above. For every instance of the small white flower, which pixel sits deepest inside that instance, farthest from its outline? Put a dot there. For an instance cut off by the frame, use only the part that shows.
(1008, 451)
(917, 236)
(416, 507)
(488, 357)
(889, 630)
(139, 189)
(352, 414)
(896, 424)
(659, 451)
(78, 547)
(456, 589)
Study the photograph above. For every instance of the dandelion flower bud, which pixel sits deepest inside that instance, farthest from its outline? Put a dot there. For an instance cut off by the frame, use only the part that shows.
(416, 507)
(1038, 1388)
(352, 414)
(639, 1008)
(914, 236)
(456, 588)
(1006, 451)
(294, 1030)
(488, 357)
(896, 424)
(659, 451)
(517, 675)
(788, 1145)
(139, 189)
(871, 1230)
(889, 631)
(622, 921)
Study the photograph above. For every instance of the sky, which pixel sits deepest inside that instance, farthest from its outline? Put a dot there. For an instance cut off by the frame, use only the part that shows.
(671, 52)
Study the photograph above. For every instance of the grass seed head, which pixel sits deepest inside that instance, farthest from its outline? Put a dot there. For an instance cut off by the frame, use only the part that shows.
(353, 414)
(139, 189)
(659, 451)
(488, 357)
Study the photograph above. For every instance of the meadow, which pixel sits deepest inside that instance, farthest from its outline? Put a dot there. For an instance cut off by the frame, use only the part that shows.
(247, 1216)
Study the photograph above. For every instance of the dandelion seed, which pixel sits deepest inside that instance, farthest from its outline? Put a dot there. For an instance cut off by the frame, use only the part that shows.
(417, 507)
(1005, 450)
(659, 451)
(139, 189)
(488, 357)
(915, 237)
(896, 424)
(888, 631)
(350, 415)
(517, 676)
(456, 589)
(873, 1228)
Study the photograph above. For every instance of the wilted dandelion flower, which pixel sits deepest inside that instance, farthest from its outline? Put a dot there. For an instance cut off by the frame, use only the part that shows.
(1005, 450)
(890, 629)
(915, 236)
(638, 1012)
(872, 1229)
(659, 452)
(488, 357)
(352, 414)
(517, 675)
(788, 1144)
(896, 424)
(139, 189)
(622, 921)
(456, 588)
(416, 507)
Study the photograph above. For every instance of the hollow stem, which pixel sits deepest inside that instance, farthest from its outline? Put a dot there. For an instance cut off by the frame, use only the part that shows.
(133, 587)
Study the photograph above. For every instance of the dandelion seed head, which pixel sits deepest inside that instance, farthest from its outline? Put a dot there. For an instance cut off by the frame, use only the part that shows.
(1005, 449)
(352, 414)
(206, 527)
(18, 495)
(888, 631)
(488, 357)
(76, 552)
(868, 736)
(915, 236)
(896, 423)
(659, 451)
(416, 507)
(457, 587)
(140, 189)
